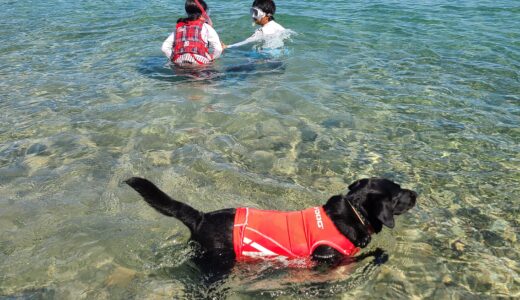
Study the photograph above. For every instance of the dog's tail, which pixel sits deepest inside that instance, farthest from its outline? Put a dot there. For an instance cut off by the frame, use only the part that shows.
(164, 204)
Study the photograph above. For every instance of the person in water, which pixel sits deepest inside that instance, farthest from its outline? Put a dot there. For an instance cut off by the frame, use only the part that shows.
(262, 12)
(194, 41)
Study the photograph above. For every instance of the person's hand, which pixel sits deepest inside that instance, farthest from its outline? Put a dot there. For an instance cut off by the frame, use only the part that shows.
(224, 46)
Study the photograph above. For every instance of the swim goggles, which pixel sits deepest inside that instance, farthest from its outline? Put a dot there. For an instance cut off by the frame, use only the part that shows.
(257, 13)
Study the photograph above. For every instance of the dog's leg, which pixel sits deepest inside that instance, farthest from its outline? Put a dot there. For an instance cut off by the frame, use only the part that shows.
(326, 255)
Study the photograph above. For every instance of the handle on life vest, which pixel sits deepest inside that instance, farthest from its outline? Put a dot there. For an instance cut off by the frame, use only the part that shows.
(204, 14)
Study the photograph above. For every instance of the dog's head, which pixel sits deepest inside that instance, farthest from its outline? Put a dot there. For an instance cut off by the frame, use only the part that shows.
(379, 200)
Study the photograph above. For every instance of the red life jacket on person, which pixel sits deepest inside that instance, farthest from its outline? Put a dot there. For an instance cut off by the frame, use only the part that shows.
(296, 234)
(188, 40)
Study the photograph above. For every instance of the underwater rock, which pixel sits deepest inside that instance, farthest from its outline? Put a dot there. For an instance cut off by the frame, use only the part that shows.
(493, 239)
(478, 219)
(447, 280)
(263, 159)
(338, 122)
(121, 276)
(308, 135)
(159, 158)
(36, 149)
(458, 246)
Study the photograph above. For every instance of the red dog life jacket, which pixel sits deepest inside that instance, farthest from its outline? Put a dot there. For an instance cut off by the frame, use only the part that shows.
(188, 40)
(296, 234)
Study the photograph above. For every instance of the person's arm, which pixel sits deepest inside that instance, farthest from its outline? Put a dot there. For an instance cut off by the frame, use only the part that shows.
(255, 37)
(214, 41)
(167, 46)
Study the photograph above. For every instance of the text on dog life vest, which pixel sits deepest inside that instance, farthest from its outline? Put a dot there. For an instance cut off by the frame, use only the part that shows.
(319, 222)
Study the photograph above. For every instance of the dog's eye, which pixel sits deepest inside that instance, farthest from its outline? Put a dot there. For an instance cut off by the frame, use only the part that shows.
(396, 196)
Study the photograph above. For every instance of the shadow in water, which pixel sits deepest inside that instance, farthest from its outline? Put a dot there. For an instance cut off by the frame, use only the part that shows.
(265, 280)
(158, 68)
(197, 284)
(32, 293)
(200, 279)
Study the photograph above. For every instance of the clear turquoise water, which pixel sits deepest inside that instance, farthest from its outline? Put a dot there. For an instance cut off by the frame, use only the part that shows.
(425, 94)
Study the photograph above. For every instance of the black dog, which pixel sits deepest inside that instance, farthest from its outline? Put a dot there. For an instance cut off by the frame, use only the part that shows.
(369, 204)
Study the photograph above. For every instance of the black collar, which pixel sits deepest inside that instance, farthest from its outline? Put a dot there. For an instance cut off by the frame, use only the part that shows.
(356, 210)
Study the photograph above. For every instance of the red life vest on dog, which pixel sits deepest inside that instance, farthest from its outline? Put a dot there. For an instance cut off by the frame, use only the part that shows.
(188, 40)
(296, 234)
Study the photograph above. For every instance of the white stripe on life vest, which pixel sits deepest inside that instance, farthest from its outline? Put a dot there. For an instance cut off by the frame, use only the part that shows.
(263, 250)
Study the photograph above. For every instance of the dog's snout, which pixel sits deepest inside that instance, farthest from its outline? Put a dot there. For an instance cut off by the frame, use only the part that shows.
(406, 200)
(413, 197)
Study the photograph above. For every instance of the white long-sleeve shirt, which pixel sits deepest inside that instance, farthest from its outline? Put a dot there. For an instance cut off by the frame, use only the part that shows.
(270, 29)
(209, 36)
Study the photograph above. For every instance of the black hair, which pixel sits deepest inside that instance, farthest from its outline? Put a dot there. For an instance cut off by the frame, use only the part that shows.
(266, 6)
(193, 10)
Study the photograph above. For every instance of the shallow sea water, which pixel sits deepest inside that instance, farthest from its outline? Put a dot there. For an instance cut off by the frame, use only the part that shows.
(425, 94)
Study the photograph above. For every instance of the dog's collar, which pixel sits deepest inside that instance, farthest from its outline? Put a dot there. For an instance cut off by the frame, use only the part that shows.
(360, 216)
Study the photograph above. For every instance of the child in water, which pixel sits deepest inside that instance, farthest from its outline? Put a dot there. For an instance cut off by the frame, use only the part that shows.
(194, 41)
(262, 12)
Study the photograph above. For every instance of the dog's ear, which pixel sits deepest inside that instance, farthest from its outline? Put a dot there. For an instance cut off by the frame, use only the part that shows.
(356, 185)
(380, 208)
(386, 214)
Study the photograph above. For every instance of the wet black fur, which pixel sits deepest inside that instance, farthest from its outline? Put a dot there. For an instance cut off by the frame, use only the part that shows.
(378, 200)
